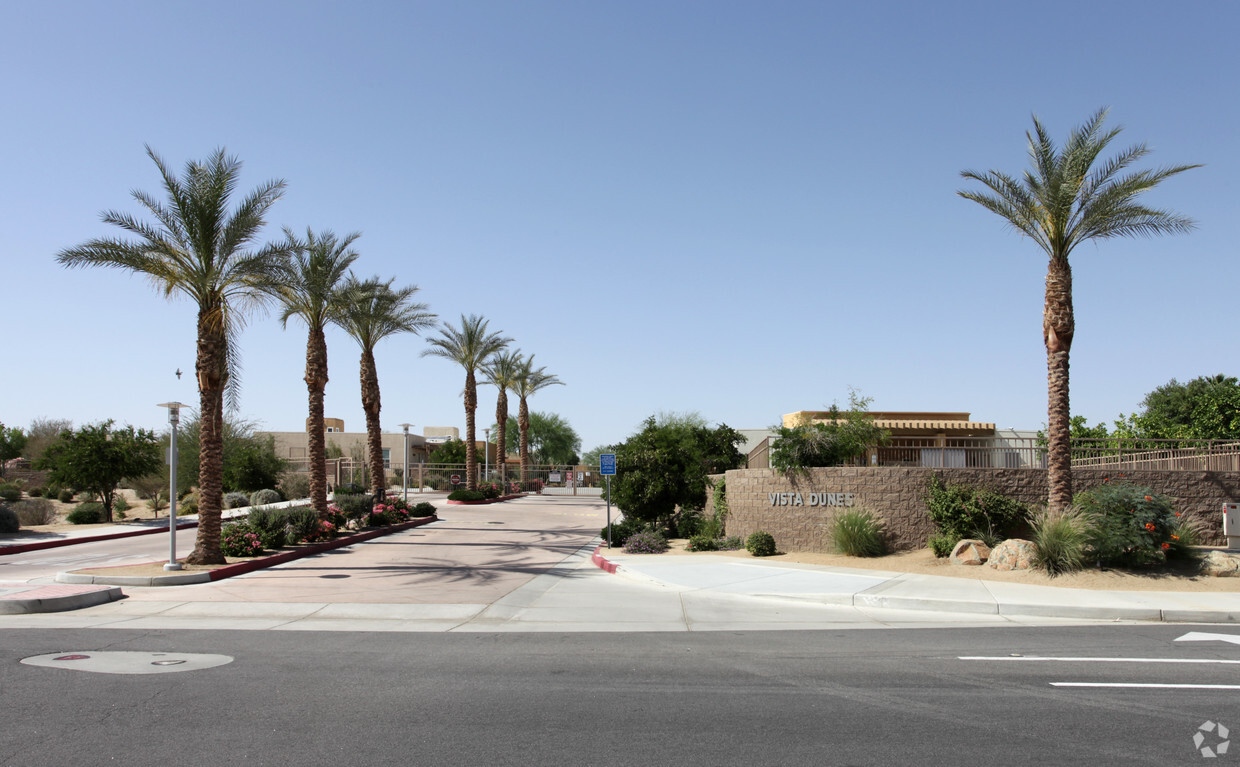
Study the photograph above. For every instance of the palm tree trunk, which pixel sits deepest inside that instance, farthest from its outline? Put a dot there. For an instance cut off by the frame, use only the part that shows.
(211, 366)
(471, 447)
(523, 425)
(316, 383)
(1058, 328)
(501, 429)
(374, 437)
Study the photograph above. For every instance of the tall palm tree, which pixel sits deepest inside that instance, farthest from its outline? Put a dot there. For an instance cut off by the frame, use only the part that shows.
(372, 310)
(197, 248)
(313, 293)
(528, 382)
(1063, 201)
(470, 347)
(501, 371)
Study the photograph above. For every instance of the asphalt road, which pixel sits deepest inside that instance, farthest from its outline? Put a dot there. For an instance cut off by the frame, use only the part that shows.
(929, 696)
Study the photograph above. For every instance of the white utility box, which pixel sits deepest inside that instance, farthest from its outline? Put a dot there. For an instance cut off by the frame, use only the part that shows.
(1231, 525)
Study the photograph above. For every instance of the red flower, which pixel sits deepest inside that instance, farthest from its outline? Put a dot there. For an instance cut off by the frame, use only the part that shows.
(1148, 498)
(1149, 526)
(1166, 546)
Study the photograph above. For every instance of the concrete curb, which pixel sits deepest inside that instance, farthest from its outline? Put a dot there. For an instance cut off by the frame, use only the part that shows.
(240, 568)
(1145, 613)
(53, 599)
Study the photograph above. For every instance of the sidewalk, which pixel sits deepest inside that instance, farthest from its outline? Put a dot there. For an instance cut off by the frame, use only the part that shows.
(849, 587)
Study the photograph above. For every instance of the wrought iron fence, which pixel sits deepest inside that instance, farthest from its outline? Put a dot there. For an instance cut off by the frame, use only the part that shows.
(444, 477)
(1030, 453)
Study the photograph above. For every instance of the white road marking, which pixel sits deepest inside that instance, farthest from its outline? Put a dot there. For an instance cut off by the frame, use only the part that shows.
(1142, 685)
(1200, 636)
(1098, 660)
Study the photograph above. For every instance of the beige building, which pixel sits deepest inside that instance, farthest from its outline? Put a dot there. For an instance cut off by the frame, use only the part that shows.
(293, 446)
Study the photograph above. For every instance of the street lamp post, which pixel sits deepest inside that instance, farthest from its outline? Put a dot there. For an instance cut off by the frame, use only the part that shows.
(174, 417)
(486, 455)
(404, 472)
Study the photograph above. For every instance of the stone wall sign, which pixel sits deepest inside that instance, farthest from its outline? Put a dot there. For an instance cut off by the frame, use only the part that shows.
(814, 499)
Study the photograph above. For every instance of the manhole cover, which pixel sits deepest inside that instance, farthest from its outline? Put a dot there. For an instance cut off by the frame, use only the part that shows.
(123, 662)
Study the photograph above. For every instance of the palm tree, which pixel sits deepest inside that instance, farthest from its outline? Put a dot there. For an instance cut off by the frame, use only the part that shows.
(528, 382)
(313, 293)
(470, 347)
(197, 248)
(371, 312)
(500, 372)
(1063, 201)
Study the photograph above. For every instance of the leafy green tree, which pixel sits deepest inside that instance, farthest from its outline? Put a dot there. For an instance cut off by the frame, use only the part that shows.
(97, 458)
(591, 456)
(249, 460)
(471, 347)
(314, 294)
(665, 467)
(1063, 200)
(528, 382)
(452, 451)
(1207, 407)
(372, 311)
(840, 440)
(197, 248)
(501, 372)
(551, 439)
(12, 443)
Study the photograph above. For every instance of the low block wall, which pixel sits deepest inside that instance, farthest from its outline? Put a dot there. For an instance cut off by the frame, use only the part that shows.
(897, 495)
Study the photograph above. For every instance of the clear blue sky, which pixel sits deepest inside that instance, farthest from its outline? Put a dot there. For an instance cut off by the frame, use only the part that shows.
(737, 208)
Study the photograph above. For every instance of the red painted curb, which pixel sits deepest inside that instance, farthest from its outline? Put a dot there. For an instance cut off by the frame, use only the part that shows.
(277, 559)
(601, 561)
(24, 547)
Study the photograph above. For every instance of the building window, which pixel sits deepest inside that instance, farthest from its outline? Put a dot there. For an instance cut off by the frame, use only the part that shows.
(387, 457)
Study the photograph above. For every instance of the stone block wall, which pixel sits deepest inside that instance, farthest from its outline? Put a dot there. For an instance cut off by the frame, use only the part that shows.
(897, 495)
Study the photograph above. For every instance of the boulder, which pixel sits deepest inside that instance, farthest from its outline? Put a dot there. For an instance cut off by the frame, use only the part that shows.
(970, 552)
(1220, 564)
(1012, 554)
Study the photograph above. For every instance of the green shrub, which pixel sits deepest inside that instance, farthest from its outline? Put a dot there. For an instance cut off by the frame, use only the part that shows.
(760, 544)
(236, 500)
(621, 530)
(302, 523)
(295, 484)
(10, 492)
(731, 543)
(466, 495)
(423, 509)
(1060, 541)
(9, 523)
(1185, 533)
(1128, 525)
(352, 506)
(264, 497)
(187, 505)
(858, 533)
(65, 496)
(239, 539)
(35, 511)
(688, 523)
(350, 488)
(271, 526)
(702, 543)
(942, 545)
(967, 512)
(89, 513)
(645, 542)
(120, 503)
(36, 492)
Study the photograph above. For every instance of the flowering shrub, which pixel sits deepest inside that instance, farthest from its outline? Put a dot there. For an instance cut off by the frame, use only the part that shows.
(336, 516)
(324, 531)
(239, 539)
(645, 542)
(1131, 526)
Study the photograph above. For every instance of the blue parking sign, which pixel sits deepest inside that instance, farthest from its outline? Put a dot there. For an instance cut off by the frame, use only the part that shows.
(607, 464)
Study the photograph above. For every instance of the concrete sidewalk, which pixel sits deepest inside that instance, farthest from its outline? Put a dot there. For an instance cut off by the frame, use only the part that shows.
(850, 587)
